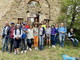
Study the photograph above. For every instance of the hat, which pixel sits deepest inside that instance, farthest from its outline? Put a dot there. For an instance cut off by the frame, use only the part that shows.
(12, 23)
(24, 23)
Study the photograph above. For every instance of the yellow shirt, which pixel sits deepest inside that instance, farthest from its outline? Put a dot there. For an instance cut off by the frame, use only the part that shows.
(44, 26)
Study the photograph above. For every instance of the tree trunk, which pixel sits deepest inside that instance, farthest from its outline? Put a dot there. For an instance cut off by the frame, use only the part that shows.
(73, 16)
(73, 20)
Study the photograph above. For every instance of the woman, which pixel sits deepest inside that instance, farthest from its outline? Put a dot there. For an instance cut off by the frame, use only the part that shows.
(53, 36)
(17, 38)
(71, 36)
(41, 40)
(57, 35)
(30, 37)
(36, 37)
(48, 35)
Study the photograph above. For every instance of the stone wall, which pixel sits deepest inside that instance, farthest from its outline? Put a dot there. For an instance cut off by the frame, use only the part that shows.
(10, 10)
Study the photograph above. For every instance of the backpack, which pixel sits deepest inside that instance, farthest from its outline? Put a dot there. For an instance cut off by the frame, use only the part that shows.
(43, 30)
(19, 30)
(3, 35)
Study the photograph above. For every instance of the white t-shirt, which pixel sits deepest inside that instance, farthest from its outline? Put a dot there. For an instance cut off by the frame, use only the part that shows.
(48, 31)
(17, 33)
(41, 31)
(30, 34)
(35, 31)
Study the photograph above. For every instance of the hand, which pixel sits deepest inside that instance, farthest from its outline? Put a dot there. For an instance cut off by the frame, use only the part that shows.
(55, 34)
(23, 29)
(17, 37)
(26, 31)
(62, 32)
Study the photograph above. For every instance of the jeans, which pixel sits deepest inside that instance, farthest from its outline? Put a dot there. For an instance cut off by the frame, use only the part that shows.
(23, 44)
(57, 39)
(5, 44)
(41, 42)
(62, 39)
(74, 41)
(29, 42)
(53, 39)
(11, 44)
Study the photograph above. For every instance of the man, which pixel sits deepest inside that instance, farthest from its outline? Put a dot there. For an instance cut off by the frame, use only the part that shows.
(11, 37)
(72, 37)
(27, 25)
(5, 36)
(62, 33)
(24, 39)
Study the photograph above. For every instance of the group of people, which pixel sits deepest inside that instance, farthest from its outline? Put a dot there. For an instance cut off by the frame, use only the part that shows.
(22, 36)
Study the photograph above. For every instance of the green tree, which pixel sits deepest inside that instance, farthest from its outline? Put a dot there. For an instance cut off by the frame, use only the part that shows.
(72, 10)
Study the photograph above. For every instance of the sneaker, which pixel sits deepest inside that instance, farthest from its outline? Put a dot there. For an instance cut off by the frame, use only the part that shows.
(22, 52)
(53, 46)
(30, 49)
(36, 48)
(25, 51)
(15, 52)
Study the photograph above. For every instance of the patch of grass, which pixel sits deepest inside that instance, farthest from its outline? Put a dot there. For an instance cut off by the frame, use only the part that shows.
(46, 54)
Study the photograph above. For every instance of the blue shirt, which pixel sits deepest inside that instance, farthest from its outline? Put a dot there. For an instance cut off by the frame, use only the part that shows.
(24, 34)
(53, 31)
(62, 29)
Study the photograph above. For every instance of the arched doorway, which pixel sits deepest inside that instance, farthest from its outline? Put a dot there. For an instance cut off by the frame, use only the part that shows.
(34, 9)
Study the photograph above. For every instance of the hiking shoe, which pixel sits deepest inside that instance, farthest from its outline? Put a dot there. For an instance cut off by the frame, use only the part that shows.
(53, 46)
(25, 51)
(30, 49)
(22, 52)
(15, 53)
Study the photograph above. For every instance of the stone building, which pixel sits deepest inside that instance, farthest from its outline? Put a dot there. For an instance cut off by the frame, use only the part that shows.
(11, 10)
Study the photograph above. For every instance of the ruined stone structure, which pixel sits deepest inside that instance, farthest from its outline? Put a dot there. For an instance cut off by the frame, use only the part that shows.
(10, 10)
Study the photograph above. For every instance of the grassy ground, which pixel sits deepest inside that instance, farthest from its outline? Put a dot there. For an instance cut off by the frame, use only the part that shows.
(46, 54)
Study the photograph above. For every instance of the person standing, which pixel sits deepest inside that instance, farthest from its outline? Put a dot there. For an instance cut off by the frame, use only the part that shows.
(30, 38)
(57, 35)
(36, 37)
(27, 25)
(53, 36)
(62, 33)
(11, 37)
(48, 35)
(43, 24)
(17, 38)
(5, 37)
(24, 39)
(41, 36)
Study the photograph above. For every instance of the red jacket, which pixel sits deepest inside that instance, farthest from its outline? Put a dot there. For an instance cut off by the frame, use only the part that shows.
(27, 26)
(11, 32)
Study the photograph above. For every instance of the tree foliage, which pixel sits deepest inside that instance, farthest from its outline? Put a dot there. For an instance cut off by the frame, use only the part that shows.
(72, 10)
